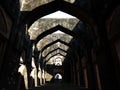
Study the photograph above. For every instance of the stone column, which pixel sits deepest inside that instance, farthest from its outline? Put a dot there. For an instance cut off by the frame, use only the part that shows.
(96, 69)
(81, 71)
(40, 75)
(43, 76)
(74, 69)
(34, 72)
(23, 71)
(84, 67)
(35, 79)
(106, 62)
(77, 67)
(92, 80)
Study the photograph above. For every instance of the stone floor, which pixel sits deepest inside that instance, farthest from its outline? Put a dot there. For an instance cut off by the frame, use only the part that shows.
(59, 87)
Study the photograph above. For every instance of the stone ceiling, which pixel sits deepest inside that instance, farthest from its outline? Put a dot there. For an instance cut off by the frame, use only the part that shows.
(44, 24)
(53, 37)
(28, 5)
(63, 53)
(54, 46)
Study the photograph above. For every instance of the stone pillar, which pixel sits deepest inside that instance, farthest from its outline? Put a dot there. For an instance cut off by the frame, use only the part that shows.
(92, 80)
(77, 66)
(40, 69)
(19, 82)
(84, 68)
(35, 60)
(79, 69)
(28, 66)
(82, 82)
(106, 62)
(40, 75)
(35, 79)
(96, 69)
(43, 76)
(74, 69)
(23, 71)
(34, 73)
(28, 58)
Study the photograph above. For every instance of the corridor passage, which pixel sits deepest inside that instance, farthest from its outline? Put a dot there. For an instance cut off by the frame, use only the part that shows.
(59, 87)
(59, 44)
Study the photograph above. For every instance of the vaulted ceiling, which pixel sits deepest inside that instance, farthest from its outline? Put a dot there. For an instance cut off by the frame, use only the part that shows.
(46, 31)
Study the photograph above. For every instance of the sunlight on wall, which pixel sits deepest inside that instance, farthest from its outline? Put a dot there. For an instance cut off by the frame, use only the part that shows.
(58, 61)
(48, 76)
(23, 71)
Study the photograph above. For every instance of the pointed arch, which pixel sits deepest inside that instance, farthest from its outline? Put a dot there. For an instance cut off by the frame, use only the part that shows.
(55, 6)
(54, 55)
(54, 51)
(54, 29)
(50, 44)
